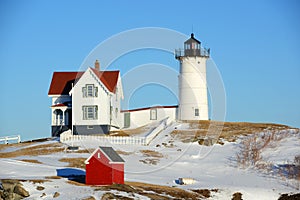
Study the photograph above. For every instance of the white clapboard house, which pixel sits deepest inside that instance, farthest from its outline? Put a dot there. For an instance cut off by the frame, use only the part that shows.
(89, 102)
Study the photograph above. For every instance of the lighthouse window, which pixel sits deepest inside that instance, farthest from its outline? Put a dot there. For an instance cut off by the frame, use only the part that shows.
(197, 112)
(187, 46)
(153, 114)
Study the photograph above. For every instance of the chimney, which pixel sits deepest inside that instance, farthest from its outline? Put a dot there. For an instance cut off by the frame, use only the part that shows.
(97, 65)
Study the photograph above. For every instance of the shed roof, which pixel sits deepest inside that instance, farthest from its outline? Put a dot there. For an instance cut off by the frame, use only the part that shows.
(112, 155)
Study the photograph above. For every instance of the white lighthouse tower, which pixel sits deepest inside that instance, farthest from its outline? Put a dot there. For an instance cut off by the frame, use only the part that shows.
(193, 103)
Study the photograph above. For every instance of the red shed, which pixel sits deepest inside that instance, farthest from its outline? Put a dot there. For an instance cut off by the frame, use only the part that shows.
(104, 167)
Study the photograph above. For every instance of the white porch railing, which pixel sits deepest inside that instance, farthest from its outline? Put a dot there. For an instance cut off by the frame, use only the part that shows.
(5, 139)
(135, 140)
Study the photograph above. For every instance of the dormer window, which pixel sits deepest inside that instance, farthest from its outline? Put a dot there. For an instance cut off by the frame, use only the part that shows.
(90, 91)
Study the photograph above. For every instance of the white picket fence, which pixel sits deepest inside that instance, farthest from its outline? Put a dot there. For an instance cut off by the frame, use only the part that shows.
(133, 140)
(103, 139)
(15, 138)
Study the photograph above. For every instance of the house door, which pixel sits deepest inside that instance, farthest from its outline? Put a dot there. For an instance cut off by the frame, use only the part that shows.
(69, 118)
(127, 120)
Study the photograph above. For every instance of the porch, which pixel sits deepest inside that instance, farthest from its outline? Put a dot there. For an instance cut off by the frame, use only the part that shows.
(61, 118)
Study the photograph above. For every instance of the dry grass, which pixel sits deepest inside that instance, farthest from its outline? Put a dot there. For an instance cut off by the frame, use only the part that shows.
(124, 152)
(74, 162)
(130, 132)
(151, 153)
(155, 192)
(52, 177)
(42, 149)
(228, 130)
(177, 193)
(4, 146)
(75, 183)
(39, 181)
(153, 157)
(89, 151)
(31, 161)
(150, 161)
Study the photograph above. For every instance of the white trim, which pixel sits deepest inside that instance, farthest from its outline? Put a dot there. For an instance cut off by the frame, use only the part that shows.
(87, 160)
(58, 95)
(116, 162)
(99, 81)
(110, 161)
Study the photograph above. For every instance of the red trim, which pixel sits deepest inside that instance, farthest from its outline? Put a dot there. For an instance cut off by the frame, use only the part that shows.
(148, 108)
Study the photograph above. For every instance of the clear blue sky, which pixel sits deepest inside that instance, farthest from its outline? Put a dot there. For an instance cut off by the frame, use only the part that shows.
(255, 44)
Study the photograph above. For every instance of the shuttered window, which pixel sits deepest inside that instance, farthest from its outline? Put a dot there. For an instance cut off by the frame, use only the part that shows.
(90, 112)
(90, 91)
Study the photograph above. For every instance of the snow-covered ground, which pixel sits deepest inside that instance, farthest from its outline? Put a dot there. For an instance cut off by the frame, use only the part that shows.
(213, 167)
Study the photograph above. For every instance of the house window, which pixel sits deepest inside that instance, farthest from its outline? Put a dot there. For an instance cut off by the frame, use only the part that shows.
(90, 127)
(116, 112)
(116, 94)
(90, 91)
(197, 112)
(153, 114)
(98, 154)
(90, 112)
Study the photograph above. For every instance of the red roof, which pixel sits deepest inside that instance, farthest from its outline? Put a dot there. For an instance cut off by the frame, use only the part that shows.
(108, 78)
(148, 108)
(65, 104)
(61, 83)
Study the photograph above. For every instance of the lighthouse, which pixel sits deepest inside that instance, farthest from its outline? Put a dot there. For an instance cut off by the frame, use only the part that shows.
(193, 101)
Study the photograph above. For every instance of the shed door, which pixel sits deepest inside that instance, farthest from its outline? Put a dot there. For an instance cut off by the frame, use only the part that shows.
(127, 120)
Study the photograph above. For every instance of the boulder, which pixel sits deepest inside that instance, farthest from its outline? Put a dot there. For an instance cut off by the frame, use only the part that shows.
(56, 194)
(40, 188)
(9, 187)
(89, 198)
(108, 196)
(21, 191)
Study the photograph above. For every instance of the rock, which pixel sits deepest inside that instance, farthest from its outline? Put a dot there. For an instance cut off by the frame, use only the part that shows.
(21, 191)
(9, 187)
(56, 194)
(40, 188)
(204, 192)
(108, 196)
(89, 198)
(237, 196)
(44, 194)
(18, 197)
(289, 197)
(10, 196)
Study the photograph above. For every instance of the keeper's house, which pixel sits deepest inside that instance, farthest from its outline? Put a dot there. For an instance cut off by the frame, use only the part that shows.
(90, 101)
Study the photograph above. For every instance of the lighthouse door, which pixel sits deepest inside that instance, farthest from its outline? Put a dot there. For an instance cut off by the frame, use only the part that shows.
(127, 120)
